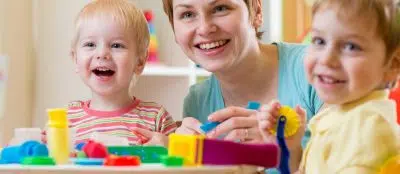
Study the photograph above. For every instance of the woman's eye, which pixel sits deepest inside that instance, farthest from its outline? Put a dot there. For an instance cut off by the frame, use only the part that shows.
(187, 15)
(221, 8)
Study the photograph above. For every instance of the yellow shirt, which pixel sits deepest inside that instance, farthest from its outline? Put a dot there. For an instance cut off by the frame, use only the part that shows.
(357, 137)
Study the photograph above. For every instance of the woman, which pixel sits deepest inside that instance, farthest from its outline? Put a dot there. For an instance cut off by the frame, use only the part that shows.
(222, 37)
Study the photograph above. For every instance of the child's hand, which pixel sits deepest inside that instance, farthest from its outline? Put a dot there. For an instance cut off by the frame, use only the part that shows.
(150, 138)
(267, 117)
(44, 137)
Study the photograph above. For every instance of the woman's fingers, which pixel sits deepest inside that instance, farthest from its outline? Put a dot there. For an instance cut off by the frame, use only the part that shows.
(230, 112)
(232, 124)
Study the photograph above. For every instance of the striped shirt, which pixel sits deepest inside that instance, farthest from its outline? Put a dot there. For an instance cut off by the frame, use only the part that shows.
(145, 115)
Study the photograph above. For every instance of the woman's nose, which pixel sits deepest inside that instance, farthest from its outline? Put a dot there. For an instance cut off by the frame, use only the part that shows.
(206, 26)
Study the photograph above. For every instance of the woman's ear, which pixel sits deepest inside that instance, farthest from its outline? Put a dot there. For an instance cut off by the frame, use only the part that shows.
(258, 15)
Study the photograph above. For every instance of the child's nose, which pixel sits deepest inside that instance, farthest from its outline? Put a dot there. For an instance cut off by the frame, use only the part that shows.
(103, 53)
(330, 59)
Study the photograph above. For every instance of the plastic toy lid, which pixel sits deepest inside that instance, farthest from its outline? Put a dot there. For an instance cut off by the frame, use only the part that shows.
(38, 161)
(113, 160)
(79, 146)
(172, 161)
(88, 161)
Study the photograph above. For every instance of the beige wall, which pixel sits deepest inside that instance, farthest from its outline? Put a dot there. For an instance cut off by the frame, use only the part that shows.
(16, 42)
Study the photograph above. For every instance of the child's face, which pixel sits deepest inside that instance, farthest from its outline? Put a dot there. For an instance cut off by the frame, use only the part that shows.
(105, 57)
(346, 59)
(214, 34)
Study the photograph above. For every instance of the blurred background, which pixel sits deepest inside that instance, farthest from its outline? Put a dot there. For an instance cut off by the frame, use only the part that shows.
(37, 73)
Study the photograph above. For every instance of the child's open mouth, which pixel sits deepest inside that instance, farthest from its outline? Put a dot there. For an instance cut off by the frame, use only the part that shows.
(103, 72)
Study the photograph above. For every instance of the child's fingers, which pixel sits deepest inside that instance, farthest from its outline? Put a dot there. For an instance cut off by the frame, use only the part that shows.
(143, 134)
(302, 114)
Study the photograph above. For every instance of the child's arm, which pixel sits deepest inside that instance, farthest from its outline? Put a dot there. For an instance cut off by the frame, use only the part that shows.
(268, 116)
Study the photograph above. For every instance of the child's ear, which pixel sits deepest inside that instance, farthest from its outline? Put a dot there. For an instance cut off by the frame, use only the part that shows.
(394, 67)
(141, 63)
(73, 58)
(258, 15)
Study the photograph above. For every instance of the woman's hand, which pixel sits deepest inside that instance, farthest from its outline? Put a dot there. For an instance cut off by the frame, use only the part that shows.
(190, 126)
(236, 123)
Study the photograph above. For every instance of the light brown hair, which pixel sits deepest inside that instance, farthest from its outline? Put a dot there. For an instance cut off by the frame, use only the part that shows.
(384, 13)
(126, 14)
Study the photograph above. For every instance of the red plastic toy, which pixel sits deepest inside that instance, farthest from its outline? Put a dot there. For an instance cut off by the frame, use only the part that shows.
(395, 95)
(113, 160)
(95, 150)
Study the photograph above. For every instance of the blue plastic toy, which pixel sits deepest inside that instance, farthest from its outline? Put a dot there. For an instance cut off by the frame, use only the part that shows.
(88, 161)
(15, 154)
(285, 154)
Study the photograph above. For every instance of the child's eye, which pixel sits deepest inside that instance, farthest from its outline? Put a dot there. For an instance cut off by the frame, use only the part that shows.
(117, 45)
(187, 15)
(89, 44)
(351, 47)
(220, 8)
(318, 41)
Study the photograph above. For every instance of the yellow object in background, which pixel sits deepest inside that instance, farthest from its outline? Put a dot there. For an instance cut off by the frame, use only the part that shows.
(58, 135)
(392, 166)
(292, 121)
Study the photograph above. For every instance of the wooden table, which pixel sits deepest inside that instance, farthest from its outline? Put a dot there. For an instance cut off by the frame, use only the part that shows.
(143, 169)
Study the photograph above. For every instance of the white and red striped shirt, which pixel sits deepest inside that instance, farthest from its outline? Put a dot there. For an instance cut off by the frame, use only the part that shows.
(146, 115)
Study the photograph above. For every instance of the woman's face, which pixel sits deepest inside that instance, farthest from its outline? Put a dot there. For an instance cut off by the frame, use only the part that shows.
(217, 34)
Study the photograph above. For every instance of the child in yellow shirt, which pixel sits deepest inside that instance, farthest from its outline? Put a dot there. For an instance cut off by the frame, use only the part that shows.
(351, 58)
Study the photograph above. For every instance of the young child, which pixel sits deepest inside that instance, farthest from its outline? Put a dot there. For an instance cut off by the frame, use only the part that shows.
(109, 50)
(351, 59)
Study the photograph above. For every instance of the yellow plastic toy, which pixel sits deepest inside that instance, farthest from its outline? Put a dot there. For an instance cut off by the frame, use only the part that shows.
(58, 135)
(392, 166)
(292, 124)
(187, 146)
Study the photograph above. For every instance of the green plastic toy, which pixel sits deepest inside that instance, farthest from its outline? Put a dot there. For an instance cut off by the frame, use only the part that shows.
(172, 161)
(39, 160)
(147, 154)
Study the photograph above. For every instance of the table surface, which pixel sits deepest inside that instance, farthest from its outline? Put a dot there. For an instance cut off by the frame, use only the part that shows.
(143, 169)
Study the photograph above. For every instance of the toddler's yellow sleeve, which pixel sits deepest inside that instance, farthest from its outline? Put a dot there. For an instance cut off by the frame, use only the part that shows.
(363, 144)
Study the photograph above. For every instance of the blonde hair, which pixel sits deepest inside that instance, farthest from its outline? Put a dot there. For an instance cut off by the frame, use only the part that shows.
(125, 14)
(384, 12)
(251, 6)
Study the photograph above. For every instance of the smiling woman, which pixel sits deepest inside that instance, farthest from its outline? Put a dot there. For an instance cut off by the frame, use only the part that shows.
(222, 36)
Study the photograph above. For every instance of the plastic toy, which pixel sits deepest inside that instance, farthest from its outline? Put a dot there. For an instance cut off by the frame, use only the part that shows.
(207, 127)
(40, 160)
(147, 154)
(198, 150)
(58, 135)
(88, 161)
(15, 154)
(172, 161)
(113, 160)
(392, 166)
(395, 95)
(292, 124)
(153, 39)
(95, 150)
